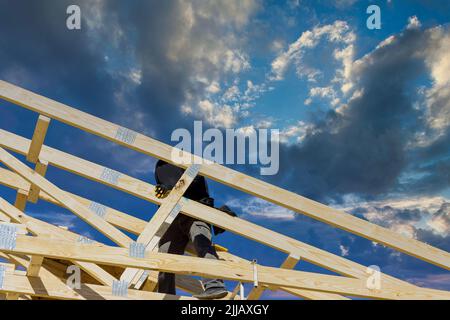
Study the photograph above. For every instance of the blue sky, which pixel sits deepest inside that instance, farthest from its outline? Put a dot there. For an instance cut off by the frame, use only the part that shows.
(364, 114)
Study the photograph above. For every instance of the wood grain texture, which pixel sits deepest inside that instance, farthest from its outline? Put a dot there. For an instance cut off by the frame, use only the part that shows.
(71, 204)
(196, 210)
(215, 268)
(37, 141)
(257, 233)
(266, 191)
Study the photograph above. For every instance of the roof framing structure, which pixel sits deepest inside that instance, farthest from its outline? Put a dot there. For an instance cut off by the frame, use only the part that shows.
(128, 269)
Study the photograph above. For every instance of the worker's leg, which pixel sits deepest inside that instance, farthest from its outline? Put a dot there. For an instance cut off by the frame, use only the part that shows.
(201, 237)
(174, 241)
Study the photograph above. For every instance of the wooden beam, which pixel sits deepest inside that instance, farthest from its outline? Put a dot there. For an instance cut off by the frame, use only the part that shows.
(290, 263)
(21, 199)
(12, 296)
(196, 210)
(162, 219)
(41, 169)
(49, 266)
(34, 266)
(226, 253)
(41, 228)
(40, 132)
(215, 268)
(306, 294)
(51, 287)
(4, 217)
(44, 229)
(266, 191)
(137, 225)
(69, 203)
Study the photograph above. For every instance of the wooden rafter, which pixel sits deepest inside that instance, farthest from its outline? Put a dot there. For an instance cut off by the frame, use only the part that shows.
(266, 191)
(44, 253)
(196, 210)
(216, 268)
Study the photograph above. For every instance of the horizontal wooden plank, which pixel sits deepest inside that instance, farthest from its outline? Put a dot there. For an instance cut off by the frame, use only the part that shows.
(161, 220)
(41, 228)
(215, 268)
(68, 202)
(56, 289)
(196, 210)
(116, 218)
(276, 195)
(303, 293)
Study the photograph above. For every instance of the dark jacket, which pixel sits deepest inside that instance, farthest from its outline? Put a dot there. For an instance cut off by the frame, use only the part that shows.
(168, 175)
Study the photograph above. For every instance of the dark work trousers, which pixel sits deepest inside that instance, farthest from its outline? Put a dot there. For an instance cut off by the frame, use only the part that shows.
(182, 230)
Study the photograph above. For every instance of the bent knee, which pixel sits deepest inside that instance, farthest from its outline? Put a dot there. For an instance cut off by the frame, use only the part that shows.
(200, 228)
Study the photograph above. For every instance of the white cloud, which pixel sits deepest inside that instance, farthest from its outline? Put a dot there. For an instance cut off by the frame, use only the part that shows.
(413, 23)
(297, 133)
(222, 116)
(232, 94)
(405, 215)
(258, 208)
(437, 97)
(344, 250)
(214, 87)
(226, 12)
(135, 76)
(340, 35)
(59, 219)
(339, 32)
(210, 40)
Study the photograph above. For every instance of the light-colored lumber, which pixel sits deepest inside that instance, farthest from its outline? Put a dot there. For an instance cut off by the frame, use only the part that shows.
(116, 218)
(49, 268)
(4, 217)
(34, 266)
(162, 219)
(215, 268)
(266, 191)
(311, 254)
(14, 283)
(306, 294)
(290, 263)
(12, 296)
(21, 199)
(71, 204)
(37, 141)
(236, 225)
(41, 169)
(41, 228)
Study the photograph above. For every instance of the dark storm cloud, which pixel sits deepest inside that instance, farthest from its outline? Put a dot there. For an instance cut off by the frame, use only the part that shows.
(37, 51)
(176, 43)
(167, 43)
(363, 150)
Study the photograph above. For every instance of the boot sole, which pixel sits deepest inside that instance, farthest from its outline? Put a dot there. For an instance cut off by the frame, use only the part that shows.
(218, 295)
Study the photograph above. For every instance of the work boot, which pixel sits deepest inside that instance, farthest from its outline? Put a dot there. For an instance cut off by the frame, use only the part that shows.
(212, 293)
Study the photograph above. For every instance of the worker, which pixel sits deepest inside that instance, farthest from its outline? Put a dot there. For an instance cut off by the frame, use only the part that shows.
(184, 229)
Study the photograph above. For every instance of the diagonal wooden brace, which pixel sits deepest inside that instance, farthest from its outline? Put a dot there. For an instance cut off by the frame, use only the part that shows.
(162, 219)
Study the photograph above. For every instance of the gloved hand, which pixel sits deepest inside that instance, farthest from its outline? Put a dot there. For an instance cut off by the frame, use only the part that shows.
(228, 211)
(162, 191)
